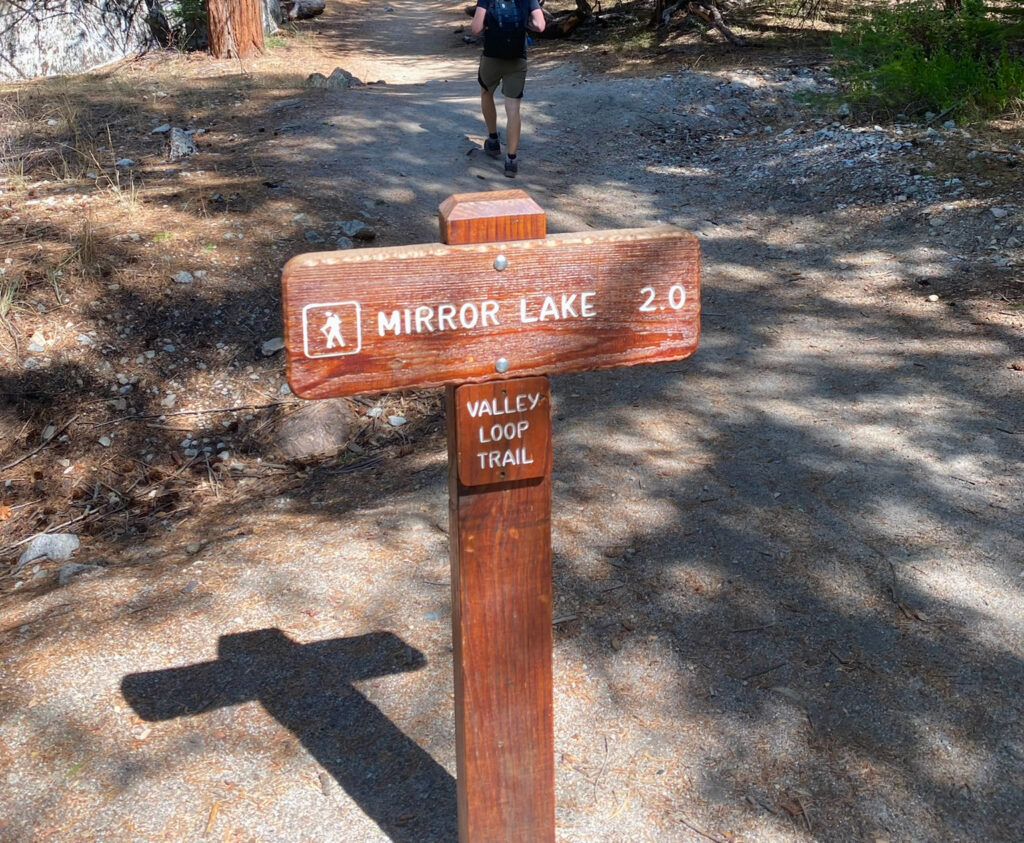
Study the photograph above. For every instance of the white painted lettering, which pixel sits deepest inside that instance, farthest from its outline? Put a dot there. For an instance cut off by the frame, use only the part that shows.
(489, 313)
(491, 407)
(446, 317)
(387, 323)
(428, 319)
(424, 319)
(501, 459)
(549, 310)
(469, 315)
(524, 317)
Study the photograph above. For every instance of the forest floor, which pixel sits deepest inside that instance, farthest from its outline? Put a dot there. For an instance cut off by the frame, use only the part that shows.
(788, 571)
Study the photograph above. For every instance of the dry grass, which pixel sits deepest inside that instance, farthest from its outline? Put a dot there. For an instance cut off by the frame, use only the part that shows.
(89, 251)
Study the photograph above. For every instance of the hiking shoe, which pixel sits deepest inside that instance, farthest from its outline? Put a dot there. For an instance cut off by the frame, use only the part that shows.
(492, 146)
(511, 167)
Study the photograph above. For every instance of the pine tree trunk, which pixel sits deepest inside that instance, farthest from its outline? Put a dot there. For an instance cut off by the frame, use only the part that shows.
(236, 28)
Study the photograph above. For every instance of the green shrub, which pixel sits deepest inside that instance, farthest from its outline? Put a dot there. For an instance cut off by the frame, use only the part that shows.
(917, 57)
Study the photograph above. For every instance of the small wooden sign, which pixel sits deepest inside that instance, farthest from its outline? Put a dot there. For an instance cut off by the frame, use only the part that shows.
(505, 430)
(373, 320)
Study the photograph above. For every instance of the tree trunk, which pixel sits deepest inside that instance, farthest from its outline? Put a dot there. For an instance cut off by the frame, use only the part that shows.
(236, 28)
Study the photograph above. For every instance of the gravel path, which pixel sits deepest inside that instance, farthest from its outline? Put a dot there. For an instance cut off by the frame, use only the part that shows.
(788, 571)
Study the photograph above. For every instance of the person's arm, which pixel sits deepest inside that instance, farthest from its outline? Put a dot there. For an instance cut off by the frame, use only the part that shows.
(479, 17)
(536, 22)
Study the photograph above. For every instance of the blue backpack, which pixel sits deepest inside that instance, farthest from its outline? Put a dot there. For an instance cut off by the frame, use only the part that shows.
(505, 36)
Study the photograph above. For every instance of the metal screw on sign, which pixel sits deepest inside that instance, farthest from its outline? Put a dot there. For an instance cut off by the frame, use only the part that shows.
(377, 320)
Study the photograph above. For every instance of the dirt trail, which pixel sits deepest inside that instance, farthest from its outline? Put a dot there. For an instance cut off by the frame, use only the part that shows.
(788, 571)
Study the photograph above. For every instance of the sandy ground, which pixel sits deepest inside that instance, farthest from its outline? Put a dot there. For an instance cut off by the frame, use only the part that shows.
(788, 571)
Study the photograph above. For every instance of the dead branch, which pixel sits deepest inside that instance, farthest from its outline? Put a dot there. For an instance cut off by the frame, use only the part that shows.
(35, 451)
(712, 17)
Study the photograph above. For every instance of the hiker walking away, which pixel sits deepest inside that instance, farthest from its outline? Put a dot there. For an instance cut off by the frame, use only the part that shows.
(504, 24)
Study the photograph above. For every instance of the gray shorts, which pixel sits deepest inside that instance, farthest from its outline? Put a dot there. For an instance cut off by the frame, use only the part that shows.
(511, 73)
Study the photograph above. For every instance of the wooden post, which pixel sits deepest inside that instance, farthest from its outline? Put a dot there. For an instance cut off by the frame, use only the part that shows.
(235, 28)
(500, 549)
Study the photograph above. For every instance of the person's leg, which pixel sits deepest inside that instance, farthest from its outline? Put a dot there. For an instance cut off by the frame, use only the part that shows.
(489, 110)
(513, 83)
(513, 127)
(488, 77)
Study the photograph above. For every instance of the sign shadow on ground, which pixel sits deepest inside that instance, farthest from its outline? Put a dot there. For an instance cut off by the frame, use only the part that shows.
(308, 689)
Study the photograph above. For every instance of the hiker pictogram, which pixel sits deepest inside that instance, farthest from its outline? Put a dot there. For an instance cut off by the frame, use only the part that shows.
(331, 329)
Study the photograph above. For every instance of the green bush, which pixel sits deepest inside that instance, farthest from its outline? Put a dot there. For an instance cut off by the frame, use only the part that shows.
(916, 57)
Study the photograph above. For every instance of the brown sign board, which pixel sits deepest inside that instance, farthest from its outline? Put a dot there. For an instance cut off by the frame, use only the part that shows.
(382, 319)
(505, 430)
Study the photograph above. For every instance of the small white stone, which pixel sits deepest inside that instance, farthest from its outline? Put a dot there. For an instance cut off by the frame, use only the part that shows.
(998, 213)
(933, 297)
(105, 441)
(183, 277)
(396, 421)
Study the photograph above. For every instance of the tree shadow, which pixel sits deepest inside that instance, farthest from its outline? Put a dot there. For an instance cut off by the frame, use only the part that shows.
(308, 689)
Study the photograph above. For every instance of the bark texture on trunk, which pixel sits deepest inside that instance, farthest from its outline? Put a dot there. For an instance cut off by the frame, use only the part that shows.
(236, 28)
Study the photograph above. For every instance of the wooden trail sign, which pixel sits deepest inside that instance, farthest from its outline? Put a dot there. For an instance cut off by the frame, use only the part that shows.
(489, 313)
(373, 320)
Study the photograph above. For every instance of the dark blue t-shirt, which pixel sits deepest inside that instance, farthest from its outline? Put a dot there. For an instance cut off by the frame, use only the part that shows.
(525, 8)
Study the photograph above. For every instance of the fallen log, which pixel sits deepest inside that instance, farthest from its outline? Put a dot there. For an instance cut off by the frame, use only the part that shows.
(561, 25)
